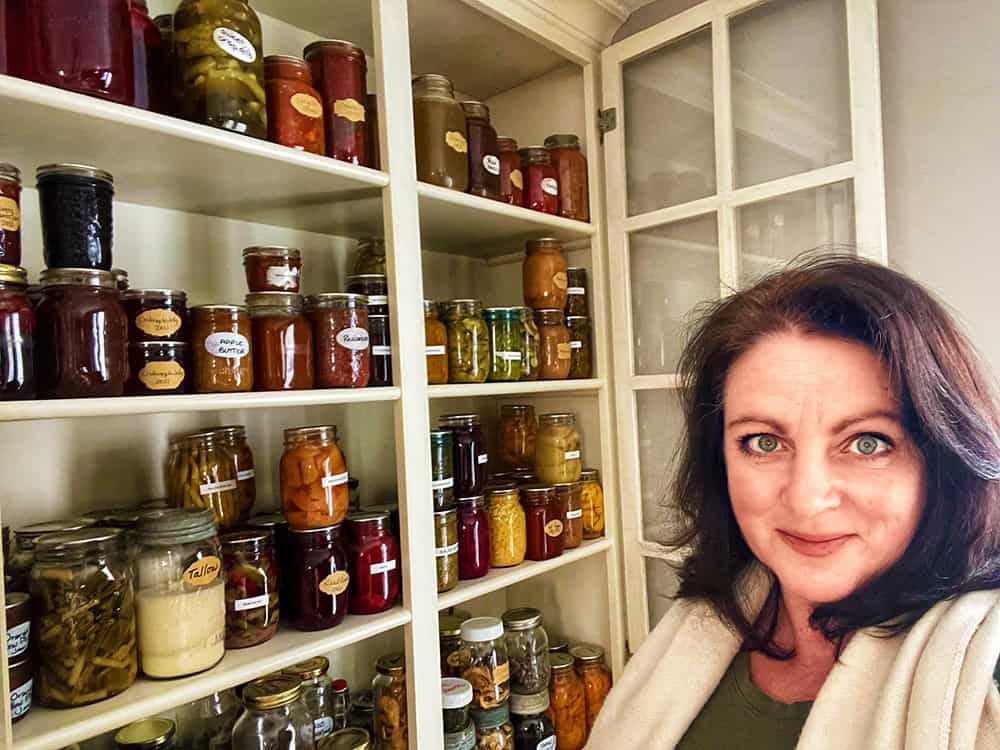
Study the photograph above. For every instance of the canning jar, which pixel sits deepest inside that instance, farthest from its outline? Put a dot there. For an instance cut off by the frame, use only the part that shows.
(484, 154)
(282, 342)
(468, 342)
(339, 701)
(234, 437)
(567, 704)
(82, 335)
(596, 678)
(276, 525)
(373, 562)
(318, 580)
(556, 353)
(84, 615)
(146, 43)
(147, 734)
(156, 315)
(294, 111)
(508, 534)
(473, 538)
(180, 593)
(82, 47)
(163, 65)
(446, 549)
(20, 679)
(389, 687)
(10, 215)
(511, 180)
(541, 181)
(203, 471)
(361, 713)
(531, 347)
(441, 137)
(17, 334)
(592, 503)
(576, 292)
(506, 340)
(527, 650)
(484, 662)
(158, 368)
(17, 608)
(570, 494)
(545, 519)
(450, 641)
(493, 728)
(533, 728)
(436, 345)
(442, 471)
(557, 448)
(274, 716)
(207, 723)
(469, 454)
(544, 274)
(75, 207)
(338, 70)
(375, 287)
(518, 428)
(581, 356)
(317, 693)
(459, 731)
(218, 65)
(272, 268)
(571, 172)
(252, 605)
(17, 566)
(313, 476)
(340, 330)
(557, 645)
(223, 355)
(381, 346)
(370, 257)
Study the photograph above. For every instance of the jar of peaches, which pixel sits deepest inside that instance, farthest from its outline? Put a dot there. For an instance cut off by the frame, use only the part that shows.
(313, 477)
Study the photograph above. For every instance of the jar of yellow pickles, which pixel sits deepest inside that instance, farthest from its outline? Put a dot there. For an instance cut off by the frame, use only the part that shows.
(592, 503)
(508, 533)
(557, 449)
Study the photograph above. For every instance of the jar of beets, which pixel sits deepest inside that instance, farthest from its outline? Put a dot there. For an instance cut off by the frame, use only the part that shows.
(373, 561)
(319, 582)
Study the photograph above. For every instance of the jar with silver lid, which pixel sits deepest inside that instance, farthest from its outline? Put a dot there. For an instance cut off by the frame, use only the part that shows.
(18, 569)
(527, 649)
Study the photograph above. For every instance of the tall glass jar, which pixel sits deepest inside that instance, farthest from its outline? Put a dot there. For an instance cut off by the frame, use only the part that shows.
(75, 202)
(541, 181)
(313, 476)
(484, 154)
(581, 356)
(484, 661)
(592, 503)
(318, 578)
(508, 531)
(470, 456)
(531, 347)
(373, 562)
(441, 137)
(17, 566)
(207, 723)
(339, 69)
(511, 179)
(468, 342)
(473, 538)
(180, 593)
(596, 678)
(567, 703)
(146, 43)
(389, 688)
(294, 110)
(571, 171)
(570, 494)
(203, 471)
(446, 549)
(251, 569)
(544, 274)
(556, 353)
(17, 334)
(235, 438)
(84, 615)
(577, 292)
(518, 428)
(317, 693)
(442, 469)
(219, 65)
(381, 347)
(527, 649)
(557, 448)
(223, 355)
(274, 716)
(282, 342)
(370, 257)
(10, 215)
(340, 330)
(506, 338)
(436, 345)
(545, 519)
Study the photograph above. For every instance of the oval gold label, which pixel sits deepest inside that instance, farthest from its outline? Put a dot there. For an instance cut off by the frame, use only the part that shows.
(563, 351)
(10, 214)
(307, 104)
(162, 376)
(559, 279)
(202, 572)
(517, 179)
(554, 528)
(349, 109)
(457, 141)
(335, 583)
(160, 322)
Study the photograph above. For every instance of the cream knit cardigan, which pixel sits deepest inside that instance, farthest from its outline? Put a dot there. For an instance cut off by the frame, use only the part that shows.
(930, 688)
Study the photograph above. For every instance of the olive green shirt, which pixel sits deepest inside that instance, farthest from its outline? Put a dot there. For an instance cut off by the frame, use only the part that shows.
(739, 715)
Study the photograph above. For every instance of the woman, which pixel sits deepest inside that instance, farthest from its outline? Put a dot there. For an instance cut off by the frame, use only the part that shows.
(840, 478)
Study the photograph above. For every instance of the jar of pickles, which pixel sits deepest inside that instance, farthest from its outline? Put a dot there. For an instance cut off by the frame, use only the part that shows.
(468, 342)
(556, 353)
(313, 476)
(511, 180)
(508, 532)
(235, 437)
(203, 472)
(436, 345)
(567, 703)
(571, 172)
(442, 471)
(576, 292)
(10, 215)
(484, 156)
(531, 346)
(389, 687)
(282, 342)
(543, 274)
(541, 181)
(545, 519)
(373, 562)
(518, 428)
(570, 495)
(294, 110)
(596, 678)
(469, 454)
(319, 582)
(506, 339)
(446, 549)
(370, 257)
(581, 358)
(251, 569)
(557, 448)
(17, 330)
(223, 358)
(317, 693)
(339, 69)
(441, 137)
(484, 661)
(274, 716)
(340, 330)
(592, 503)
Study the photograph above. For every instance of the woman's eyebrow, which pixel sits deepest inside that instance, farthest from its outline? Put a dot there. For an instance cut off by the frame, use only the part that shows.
(777, 426)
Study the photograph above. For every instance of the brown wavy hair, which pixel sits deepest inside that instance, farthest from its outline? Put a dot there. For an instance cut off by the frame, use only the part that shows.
(949, 409)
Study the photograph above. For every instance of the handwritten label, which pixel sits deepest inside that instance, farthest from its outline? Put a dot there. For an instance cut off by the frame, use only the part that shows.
(442, 484)
(235, 44)
(283, 277)
(550, 185)
(322, 727)
(491, 164)
(335, 584)
(227, 485)
(451, 549)
(160, 322)
(355, 339)
(572, 455)
(253, 602)
(162, 376)
(20, 700)
(336, 480)
(435, 351)
(554, 528)
(456, 141)
(17, 639)
(517, 179)
(242, 476)
(562, 351)
(230, 345)
(383, 567)
(559, 280)
(307, 104)
(10, 215)
(571, 514)
(202, 572)
(349, 109)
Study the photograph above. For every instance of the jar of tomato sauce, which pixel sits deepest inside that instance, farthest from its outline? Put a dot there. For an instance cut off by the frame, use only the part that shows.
(484, 155)
(318, 581)
(294, 110)
(541, 181)
(545, 519)
(373, 563)
(10, 215)
(511, 179)
(17, 336)
(282, 342)
(340, 330)
(571, 172)
(272, 268)
(338, 70)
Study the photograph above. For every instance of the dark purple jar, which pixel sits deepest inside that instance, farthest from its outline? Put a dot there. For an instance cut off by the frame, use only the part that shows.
(381, 344)
(75, 202)
(318, 578)
(473, 538)
(469, 453)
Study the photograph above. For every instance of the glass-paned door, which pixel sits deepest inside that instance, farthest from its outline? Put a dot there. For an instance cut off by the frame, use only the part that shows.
(748, 132)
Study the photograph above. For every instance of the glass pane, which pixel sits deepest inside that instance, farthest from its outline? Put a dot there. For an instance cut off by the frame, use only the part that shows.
(772, 232)
(674, 268)
(791, 89)
(660, 429)
(669, 125)
(661, 585)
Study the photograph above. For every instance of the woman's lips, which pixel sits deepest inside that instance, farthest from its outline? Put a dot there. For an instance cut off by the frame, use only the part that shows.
(814, 546)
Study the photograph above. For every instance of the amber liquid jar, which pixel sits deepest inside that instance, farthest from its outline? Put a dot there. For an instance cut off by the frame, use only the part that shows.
(436, 345)
(543, 274)
(511, 179)
(338, 70)
(223, 359)
(282, 341)
(294, 110)
(484, 154)
(541, 181)
(545, 518)
(441, 137)
(156, 315)
(571, 172)
(555, 356)
(10, 215)
(570, 495)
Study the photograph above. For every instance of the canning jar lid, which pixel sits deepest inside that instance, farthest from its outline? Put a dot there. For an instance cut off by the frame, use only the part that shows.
(181, 345)
(458, 420)
(147, 734)
(563, 140)
(26, 535)
(502, 313)
(500, 487)
(340, 44)
(272, 692)
(506, 143)
(13, 274)
(272, 251)
(566, 487)
(517, 409)
(522, 618)
(13, 600)
(472, 500)
(313, 432)
(557, 644)
(432, 84)
(491, 718)
(75, 543)
(257, 301)
(531, 704)
(177, 294)
(309, 669)
(366, 516)
(560, 661)
(176, 526)
(534, 155)
(368, 277)
(296, 62)
(558, 418)
(441, 436)
(444, 516)
(363, 700)
(10, 173)
(267, 520)
(476, 109)
(77, 277)
(535, 494)
(351, 738)
(231, 309)
(230, 430)
(337, 299)
(587, 653)
(456, 693)
(449, 625)
(73, 170)
(391, 664)
(318, 530)
(244, 538)
(118, 518)
(577, 317)
(482, 629)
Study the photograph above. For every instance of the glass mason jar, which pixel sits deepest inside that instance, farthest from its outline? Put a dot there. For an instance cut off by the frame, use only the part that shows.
(557, 449)
(219, 67)
(276, 525)
(147, 734)
(282, 342)
(484, 663)
(318, 579)
(156, 315)
(596, 678)
(317, 693)
(508, 531)
(203, 471)
(571, 171)
(389, 688)
(361, 713)
(339, 700)
(235, 438)
(592, 503)
(18, 564)
(373, 562)
(147, 51)
(543, 274)
(469, 454)
(207, 723)
(527, 649)
(82, 335)
(313, 476)
(531, 349)
(21, 680)
(511, 180)
(532, 726)
(381, 345)
(473, 538)
(446, 549)
(570, 494)
(556, 354)
(506, 340)
(375, 286)
(10, 215)
(459, 731)
(294, 110)
(272, 268)
(436, 345)
(450, 641)
(84, 615)
(223, 355)
(545, 519)
(340, 330)
(493, 728)
(577, 292)
(180, 593)
(518, 428)
(274, 716)
(581, 358)
(484, 154)
(541, 181)
(370, 257)
(75, 203)
(251, 569)
(339, 69)
(441, 136)
(442, 471)
(163, 65)
(17, 333)
(567, 703)
(468, 342)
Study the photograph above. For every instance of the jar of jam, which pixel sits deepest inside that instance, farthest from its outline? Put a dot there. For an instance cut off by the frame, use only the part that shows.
(484, 154)
(473, 538)
(371, 123)
(441, 138)
(370, 257)
(469, 454)
(145, 42)
(20, 680)
(223, 356)
(158, 368)
(592, 503)
(82, 335)
(251, 568)
(506, 343)
(375, 287)
(17, 336)
(541, 181)
(340, 330)
(272, 268)
(282, 342)
(10, 215)
(373, 562)
(576, 292)
(436, 345)
(571, 172)
(543, 274)
(319, 583)
(570, 494)
(511, 179)
(294, 111)
(76, 212)
(545, 519)
(446, 549)
(339, 69)
(581, 356)
(156, 315)
(381, 343)
(518, 428)
(531, 346)
(313, 475)
(556, 353)
(557, 448)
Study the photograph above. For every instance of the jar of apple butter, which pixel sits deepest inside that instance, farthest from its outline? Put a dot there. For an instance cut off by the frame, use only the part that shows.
(222, 354)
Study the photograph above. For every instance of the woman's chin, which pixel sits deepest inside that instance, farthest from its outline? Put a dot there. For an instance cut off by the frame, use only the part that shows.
(816, 584)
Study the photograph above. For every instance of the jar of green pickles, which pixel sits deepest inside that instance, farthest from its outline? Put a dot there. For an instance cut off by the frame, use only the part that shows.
(370, 257)
(468, 342)
(581, 358)
(531, 345)
(442, 470)
(446, 549)
(506, 342)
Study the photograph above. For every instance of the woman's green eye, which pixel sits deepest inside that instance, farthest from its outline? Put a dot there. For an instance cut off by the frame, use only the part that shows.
(867, 445)
(767, 443)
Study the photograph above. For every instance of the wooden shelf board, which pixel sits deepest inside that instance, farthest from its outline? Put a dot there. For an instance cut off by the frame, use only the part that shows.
(525, 388)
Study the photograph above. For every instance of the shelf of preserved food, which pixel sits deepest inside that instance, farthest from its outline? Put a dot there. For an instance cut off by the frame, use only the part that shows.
(167, 162)
(51, 729)
(71, 408)
(521, 388)
(501, 578)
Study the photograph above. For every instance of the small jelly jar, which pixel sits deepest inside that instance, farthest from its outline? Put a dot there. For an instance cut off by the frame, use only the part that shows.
(75, 203)
(473, 538)
(272, 268)
(156, 315)
(318, 578)
(158, 368)
(373, 563)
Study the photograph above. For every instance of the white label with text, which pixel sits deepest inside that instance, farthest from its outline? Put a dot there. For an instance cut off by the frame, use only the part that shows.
(336, 480)
(227, 345)
(256, 602)
(571, 455)
(383, 567)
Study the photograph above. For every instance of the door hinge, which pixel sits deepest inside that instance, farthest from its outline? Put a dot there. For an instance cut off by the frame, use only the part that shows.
(607, 120)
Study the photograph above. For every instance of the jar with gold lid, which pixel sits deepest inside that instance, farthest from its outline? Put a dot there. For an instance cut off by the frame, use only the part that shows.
(274, 715)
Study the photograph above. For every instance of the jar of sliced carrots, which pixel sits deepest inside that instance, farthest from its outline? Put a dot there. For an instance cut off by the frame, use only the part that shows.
(313, 478)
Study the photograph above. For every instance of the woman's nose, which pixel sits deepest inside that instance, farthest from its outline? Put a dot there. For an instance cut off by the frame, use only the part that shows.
(810, 489)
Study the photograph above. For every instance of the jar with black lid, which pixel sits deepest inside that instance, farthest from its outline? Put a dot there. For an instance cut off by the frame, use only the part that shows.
(156, 315)
(484, 153)
(75, 203)
(158, 368)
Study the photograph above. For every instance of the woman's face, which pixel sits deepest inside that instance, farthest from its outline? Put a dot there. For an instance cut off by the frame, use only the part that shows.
(826, 486)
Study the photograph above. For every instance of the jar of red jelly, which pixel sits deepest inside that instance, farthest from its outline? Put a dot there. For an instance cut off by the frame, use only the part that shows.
(381, 342)
(340, 330)
(146, 42)
(82, 335)
(10, 215)
(473, 538)
(79, 46)
(156, 315)
(571, 172)
(272, 268)
(373, 562)
(511, 179)
(317, 578)
(541, 181)
(17, 336)
(545, 519)
(484, 155)
(282, 342)
(294, 111)
(338, 70)
(371, 125)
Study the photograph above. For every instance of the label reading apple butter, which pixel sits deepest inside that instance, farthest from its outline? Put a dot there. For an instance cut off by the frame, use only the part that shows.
(162, 376)
(308, 105)
(335, 583)
(554, 527)
(158, 323)
(202, 572)
(349, 109)
(10, 215)
(457, 141)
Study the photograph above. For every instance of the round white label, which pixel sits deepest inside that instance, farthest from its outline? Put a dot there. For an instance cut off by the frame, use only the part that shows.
(491, 164)
(235, 44)
(227, 345)
(353, 338)
(550, 185)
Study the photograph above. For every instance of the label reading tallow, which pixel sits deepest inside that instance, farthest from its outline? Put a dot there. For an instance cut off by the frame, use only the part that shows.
(10, 215)
(457, 141)
(159, 322)
(162, 376)
(202, 572)
(349, 109)
(307, 105)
